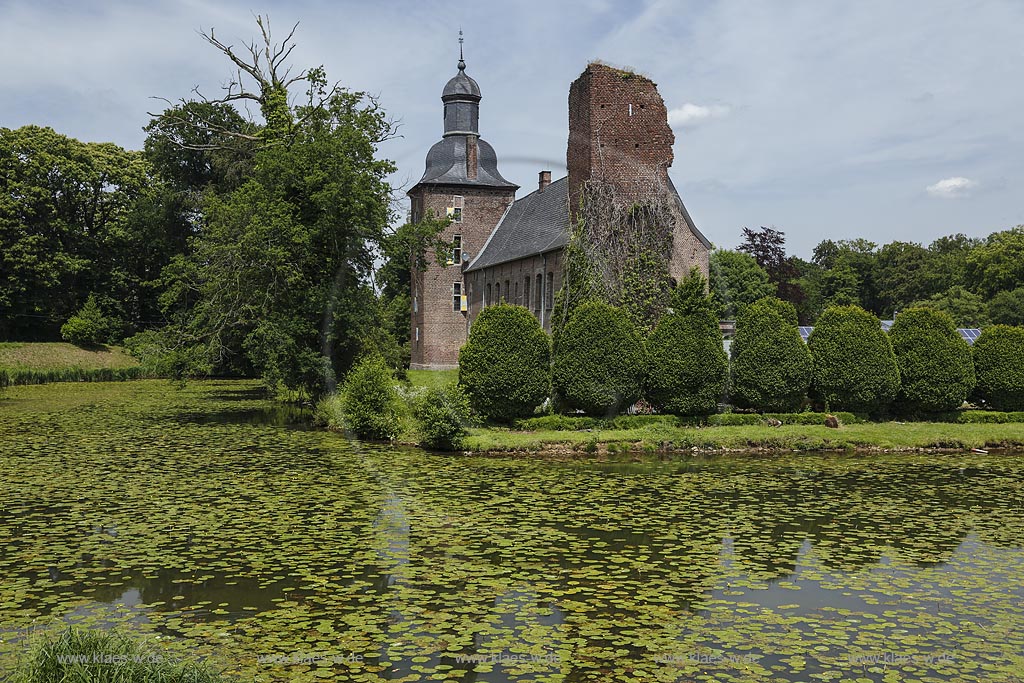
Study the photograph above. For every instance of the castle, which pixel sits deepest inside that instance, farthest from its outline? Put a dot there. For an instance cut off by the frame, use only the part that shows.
(504, 249)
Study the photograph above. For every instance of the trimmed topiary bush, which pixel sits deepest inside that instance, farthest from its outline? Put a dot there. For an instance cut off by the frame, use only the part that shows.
(771, 366)
(369, 402)
(443, 413)
(598, 361)
(505, 366)
(687, 367)
(854, 366)
(999, 365)
(936, 370)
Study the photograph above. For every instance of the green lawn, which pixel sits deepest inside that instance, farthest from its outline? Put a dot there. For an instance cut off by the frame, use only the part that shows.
(869, 436)
(59, 356)
(432, 378)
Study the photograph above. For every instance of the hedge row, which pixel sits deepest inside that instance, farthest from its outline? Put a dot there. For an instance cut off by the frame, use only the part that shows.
(601, 363)
(566, 423)
(13, 377)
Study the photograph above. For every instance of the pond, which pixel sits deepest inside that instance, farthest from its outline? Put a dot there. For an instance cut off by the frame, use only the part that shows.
(220, 523)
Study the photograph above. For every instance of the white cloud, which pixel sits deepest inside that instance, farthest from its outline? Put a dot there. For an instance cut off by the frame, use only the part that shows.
(951, 188)
(694, 114)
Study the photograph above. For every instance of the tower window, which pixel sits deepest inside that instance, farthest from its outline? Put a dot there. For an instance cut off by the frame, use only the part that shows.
(540, 292)
(455, 210)
(458, 300)
(455, 257)
(516, 298)
(497, 292)
(550, 298)
(487, 300)
(526, 291)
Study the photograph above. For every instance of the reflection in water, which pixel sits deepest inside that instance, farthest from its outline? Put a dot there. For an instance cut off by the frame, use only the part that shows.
(200, 515)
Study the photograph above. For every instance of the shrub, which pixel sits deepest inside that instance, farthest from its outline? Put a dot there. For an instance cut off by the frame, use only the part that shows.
(505, 366)
(999, 364)
(71, 656)
(598, 361)
(87, 327)
(936, 370)
(369, 401)
(686, 365)
(855, 368)
(443, 413)
(771, 365)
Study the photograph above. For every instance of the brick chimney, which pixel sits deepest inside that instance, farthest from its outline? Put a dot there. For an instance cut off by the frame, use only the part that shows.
(544, 179)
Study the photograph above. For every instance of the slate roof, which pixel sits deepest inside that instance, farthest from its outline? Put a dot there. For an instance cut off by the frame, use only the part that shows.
(539, 222)
(534, 224)
(446, 164)
(461, 85)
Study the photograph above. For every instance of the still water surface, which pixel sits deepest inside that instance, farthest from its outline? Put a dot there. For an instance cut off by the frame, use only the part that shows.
(217, 521)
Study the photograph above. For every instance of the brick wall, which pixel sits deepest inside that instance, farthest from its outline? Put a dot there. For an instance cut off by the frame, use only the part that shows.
(441, 329)
(512, 278)
(619, 134)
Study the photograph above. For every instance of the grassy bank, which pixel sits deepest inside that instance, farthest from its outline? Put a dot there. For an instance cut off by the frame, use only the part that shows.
(877, 436)
(42, 363)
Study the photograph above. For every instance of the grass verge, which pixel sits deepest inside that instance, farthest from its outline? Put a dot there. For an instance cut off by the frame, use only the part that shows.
(105, 657)
(878, 436)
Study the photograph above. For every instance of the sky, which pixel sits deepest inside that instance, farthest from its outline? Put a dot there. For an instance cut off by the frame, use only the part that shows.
(826, 119)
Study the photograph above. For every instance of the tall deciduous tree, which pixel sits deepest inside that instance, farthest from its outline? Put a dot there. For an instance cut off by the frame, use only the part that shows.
(279, 278)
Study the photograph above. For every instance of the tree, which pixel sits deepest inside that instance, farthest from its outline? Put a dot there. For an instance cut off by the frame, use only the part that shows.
(901, 276)
(966, 308)
(768, 247)
(936, 371)
(855, 368)
(771, 365)
(279, 279)
(505, 366)
(686, 365)
(1007, 308)
(998, 264)
(999, 364)
(66, 228)
(736, 281)
(598, 361)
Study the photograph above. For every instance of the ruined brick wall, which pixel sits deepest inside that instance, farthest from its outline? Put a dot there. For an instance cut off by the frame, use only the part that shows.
(437, 329)
(619, 134)
(530, 282)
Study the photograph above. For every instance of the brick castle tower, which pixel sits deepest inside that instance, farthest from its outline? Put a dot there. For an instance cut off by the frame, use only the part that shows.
(461, 182)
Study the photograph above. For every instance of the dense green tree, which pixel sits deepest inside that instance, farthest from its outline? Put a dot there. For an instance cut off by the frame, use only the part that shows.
(598, 361)
(855, 368)
(1007, 308)
(999, 365)
(901, 276)
(66, 227)
(279, 278)
(771, 365)
(998, 264)
(966, 308)
(505, 366)
(936, 370)
(686, 365)
(736, 281)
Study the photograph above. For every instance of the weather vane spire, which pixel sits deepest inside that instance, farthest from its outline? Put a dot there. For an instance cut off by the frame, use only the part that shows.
(462, 62)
